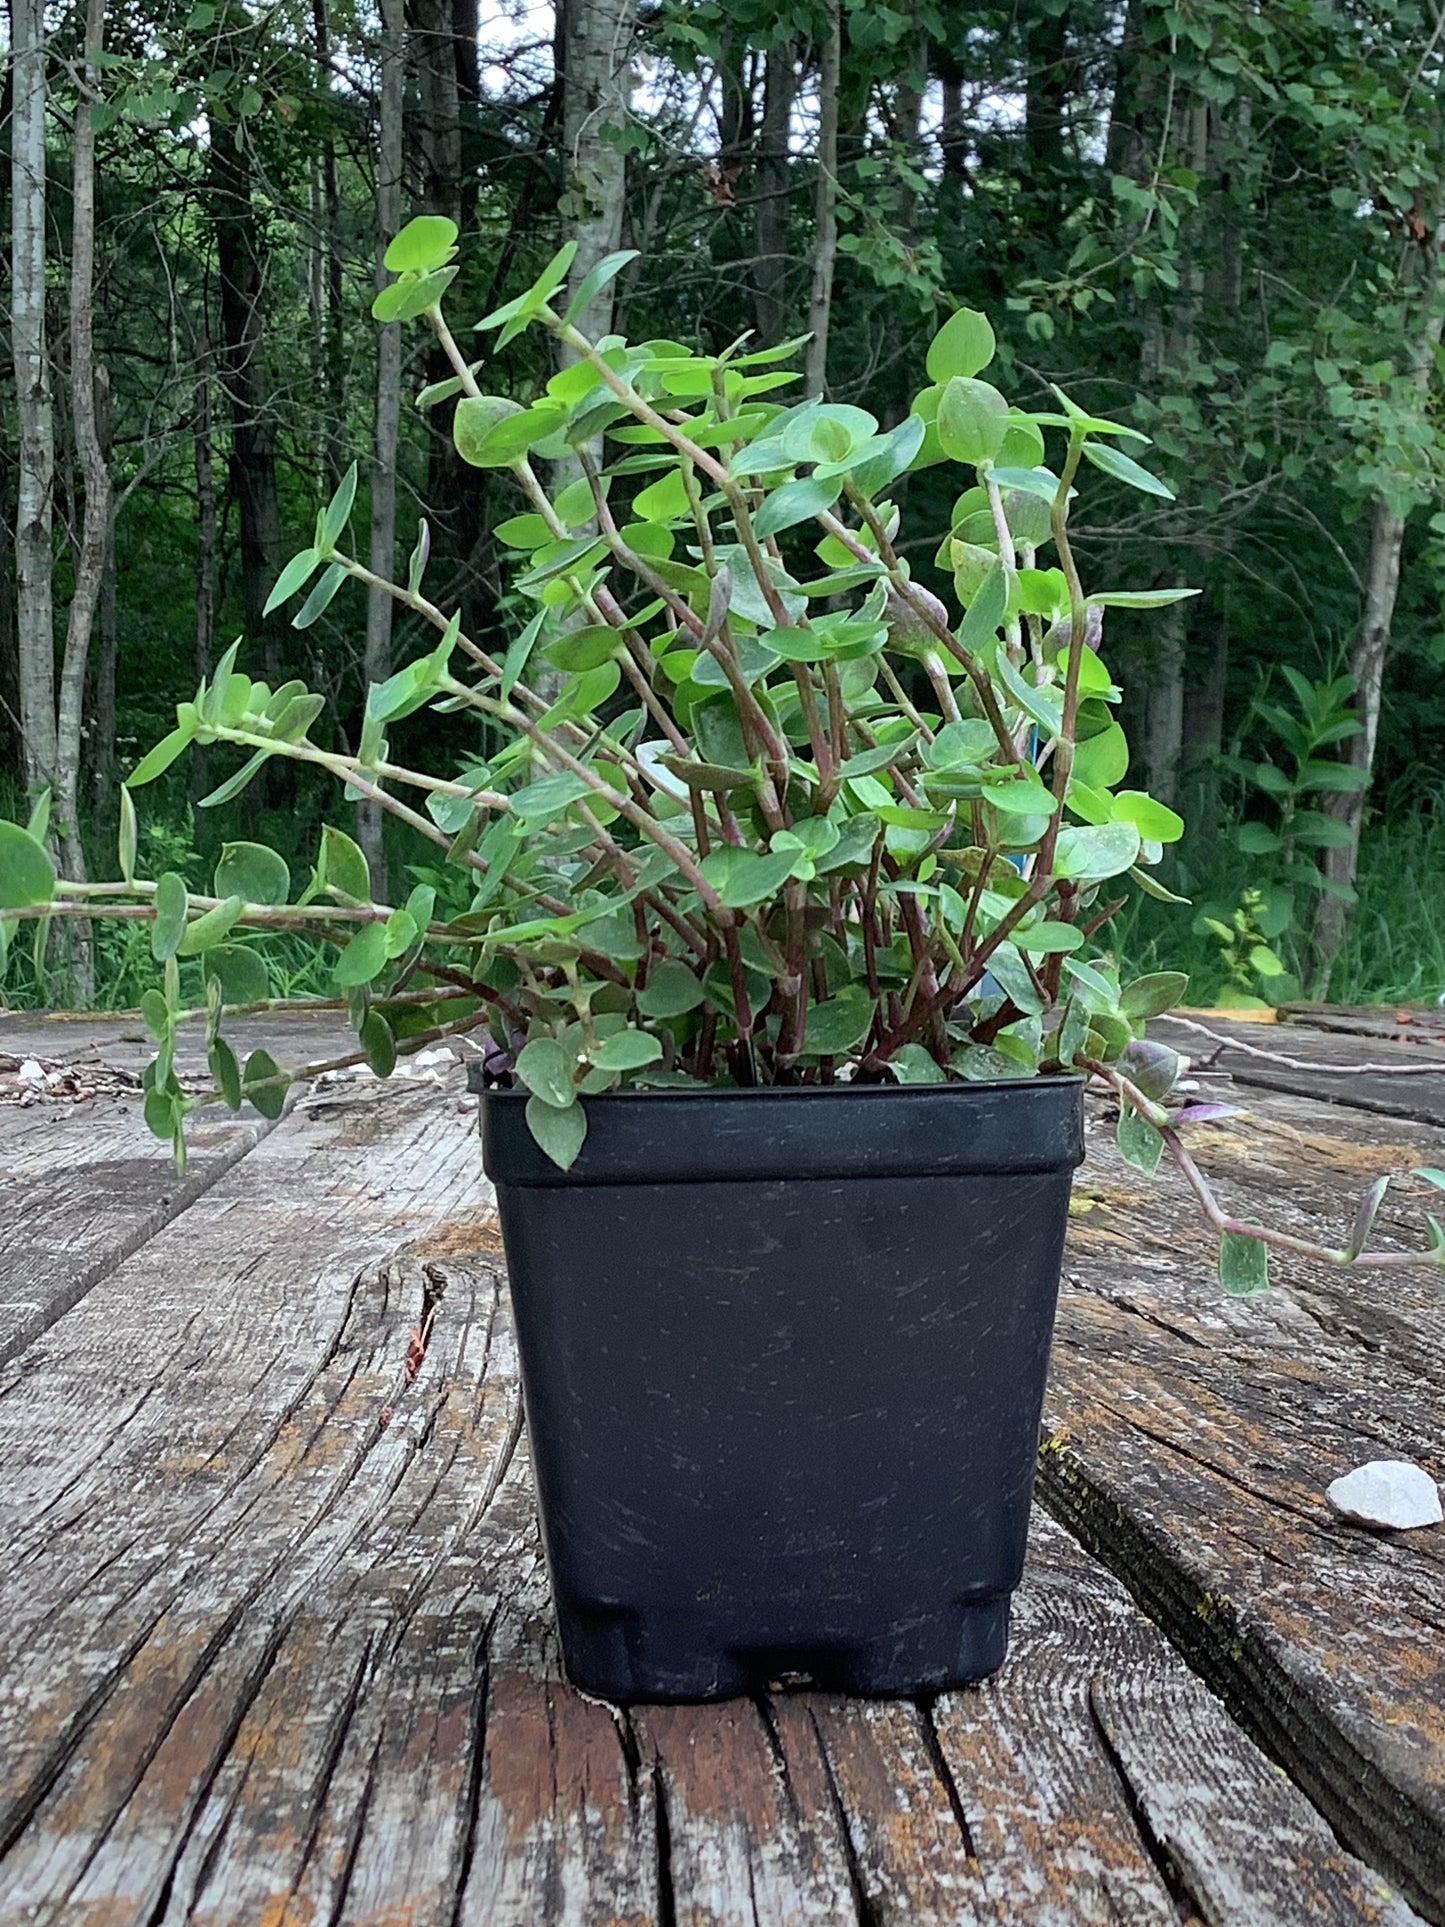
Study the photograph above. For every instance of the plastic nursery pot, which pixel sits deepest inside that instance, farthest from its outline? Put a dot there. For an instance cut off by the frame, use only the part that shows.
(783, 1359)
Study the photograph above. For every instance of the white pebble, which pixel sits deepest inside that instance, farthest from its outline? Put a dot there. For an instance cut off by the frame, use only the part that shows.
(1392, 1493)
(32, 1073)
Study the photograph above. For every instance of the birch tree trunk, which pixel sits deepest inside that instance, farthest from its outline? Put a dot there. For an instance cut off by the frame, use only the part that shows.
(596, 40)
(1371, 647)
(377, 660)
(825, 219)
(95, 470)
(34, 610)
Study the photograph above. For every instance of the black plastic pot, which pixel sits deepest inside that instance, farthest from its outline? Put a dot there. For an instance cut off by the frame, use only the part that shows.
(783, 1358)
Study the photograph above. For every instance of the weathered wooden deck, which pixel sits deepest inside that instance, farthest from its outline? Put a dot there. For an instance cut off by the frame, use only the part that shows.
(274, 1636)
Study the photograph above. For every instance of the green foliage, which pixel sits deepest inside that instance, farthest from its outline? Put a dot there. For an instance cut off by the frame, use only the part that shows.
(747, 835)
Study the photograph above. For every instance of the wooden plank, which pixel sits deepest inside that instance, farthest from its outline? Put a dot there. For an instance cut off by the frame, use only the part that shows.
(1193, 1436)
(275, 1643)
(1378, 1073)
(82, 1186)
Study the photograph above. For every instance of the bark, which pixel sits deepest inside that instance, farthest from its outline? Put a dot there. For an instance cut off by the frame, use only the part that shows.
(1207, 687)
(772, 184)
(388, 399)
(95, 470)
(1047, 102)
(431, 45)
(953, 128)
(102, 709)
(1371, 648)
(330, 303)
(596, 38)
(825, 220)
(242, 375)
(1164, 723)
(34, 611)
(207, 537)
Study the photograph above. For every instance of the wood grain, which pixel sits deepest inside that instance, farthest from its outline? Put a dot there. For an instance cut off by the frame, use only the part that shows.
(82, 1186)
(1192, 1438)
(276, 1645)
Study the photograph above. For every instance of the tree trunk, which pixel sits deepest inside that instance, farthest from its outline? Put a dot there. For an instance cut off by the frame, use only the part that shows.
(1047, 101)
(388, 400)
(241, 371)
(206, 526)
(596, 37)
(771, 205)
(34, 611)
(1371, 647)
(96, 522)
(1164, 725)
(952, 127)
(103, 722)
(825, 219)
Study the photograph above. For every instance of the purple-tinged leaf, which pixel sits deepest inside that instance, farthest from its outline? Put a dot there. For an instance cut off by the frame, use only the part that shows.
(1205, 1113)
(1365, 1217)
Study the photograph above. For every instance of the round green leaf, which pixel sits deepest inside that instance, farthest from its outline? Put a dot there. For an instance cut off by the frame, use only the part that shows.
(559, 1132)
(963, 345)
(170, 921)
(670, 991)
(546, 1070)
(472, 424)
(625, 1050)
(1152, 819)
(973, 419)
(1106, 851)
(27, 875)
(423, 244)
(270, 1099)
(364, 956)
(253, 872)
(240, 972)
(210, 927)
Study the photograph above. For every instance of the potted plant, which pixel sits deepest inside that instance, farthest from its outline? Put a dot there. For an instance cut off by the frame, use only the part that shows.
(771, 896)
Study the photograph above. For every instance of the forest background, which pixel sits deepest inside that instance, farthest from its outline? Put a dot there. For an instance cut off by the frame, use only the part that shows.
(1223, 220)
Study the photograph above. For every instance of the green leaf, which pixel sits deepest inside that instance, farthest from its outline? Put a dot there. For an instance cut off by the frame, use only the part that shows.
(625, 1050)
(1152, 995)
(425, 243)
(38, 824)
(796, 502)
(1123, 468)
(1431, 1174)
(540, 802)
(239, 971)
(985, 612)
(319, 599)
(364, 956)
(338, 511)
(962, 346)
(1138, 1141)
(547, 1071)
(1365, 1216)
(560, 1132)
(670, 991)
(1152, 888)
(170, 918)
(344, 866)
(225, 1072)
(1096, 853)
(154, 1010)
(840, 1024)
(743, 878)
(596, 279)
(296, 574)
(27, 876)
(1243, 1265)
(261, 1067)
(253, 872)
(126, 838)
(210, 927)
(1153, 820)
(376, 1039)
(473, 426)
(972, 420)
(234, 784)
(1257, 839)
(913, 1063)
(1140, 598)
(162, 756)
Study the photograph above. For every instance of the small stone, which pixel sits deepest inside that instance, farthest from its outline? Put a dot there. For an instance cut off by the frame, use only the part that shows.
(33, 1074)
(1395, 1494)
